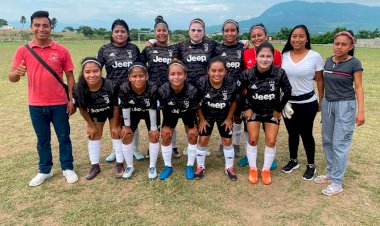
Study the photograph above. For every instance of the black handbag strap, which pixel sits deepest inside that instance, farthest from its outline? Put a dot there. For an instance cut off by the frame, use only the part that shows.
(65, 87)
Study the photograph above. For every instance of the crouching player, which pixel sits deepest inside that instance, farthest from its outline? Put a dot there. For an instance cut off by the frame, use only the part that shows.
(95, 97)
(178, 99)
(218, 103)
(138, 102)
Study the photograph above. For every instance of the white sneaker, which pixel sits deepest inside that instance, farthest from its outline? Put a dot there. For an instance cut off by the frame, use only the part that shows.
(152, 173)
(71, 176)
(128, 172)
(40, 178)
(111, 157)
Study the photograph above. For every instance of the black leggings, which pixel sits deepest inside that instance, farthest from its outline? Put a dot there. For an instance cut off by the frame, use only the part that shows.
(301, 124)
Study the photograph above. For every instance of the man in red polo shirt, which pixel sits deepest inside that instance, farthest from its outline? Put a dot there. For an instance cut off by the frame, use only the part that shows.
(47, 99)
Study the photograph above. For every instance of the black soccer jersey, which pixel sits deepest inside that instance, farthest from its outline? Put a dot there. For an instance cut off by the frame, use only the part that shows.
(176, 103)
(138, 103)
(233, 55)
(215, 103)
(263, 90)
(101, 101)
(196, 57)
(117, 60)
(157, 59)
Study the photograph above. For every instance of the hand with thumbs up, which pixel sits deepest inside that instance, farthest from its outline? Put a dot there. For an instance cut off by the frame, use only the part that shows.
(21, 69)
(16, 73)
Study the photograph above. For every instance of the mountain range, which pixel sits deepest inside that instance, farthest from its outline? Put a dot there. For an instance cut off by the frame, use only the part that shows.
(319, 17)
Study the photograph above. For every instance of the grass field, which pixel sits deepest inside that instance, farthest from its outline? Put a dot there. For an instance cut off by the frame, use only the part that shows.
(212, 201)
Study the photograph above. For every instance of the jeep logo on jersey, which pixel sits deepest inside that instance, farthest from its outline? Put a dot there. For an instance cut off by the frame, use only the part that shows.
(192, 58)
(216, 105)
(137, 109)
(264, 97)
(162, 60)
(122, 64)
(233, 64)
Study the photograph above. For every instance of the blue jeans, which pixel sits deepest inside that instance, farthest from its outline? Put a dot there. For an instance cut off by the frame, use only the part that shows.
(41, 117)
(338, 125)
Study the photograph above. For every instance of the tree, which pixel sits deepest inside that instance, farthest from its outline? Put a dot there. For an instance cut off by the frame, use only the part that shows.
(283, 34)
(70, 29)
(54, 23)
(86, 31)
(3, 22)
(23, 21)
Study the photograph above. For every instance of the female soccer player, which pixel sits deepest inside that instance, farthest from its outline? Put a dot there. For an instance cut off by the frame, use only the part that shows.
(303, 66)
(157, 57)
(262, 86)
(232, 53)
(218, 94)
(138, 102)
(340, 111)
(178, 99)
(97, 102)
(117, 56)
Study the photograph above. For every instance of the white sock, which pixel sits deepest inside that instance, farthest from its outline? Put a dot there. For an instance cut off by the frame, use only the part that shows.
(153, 153)
(236, 132)
(127, 150)
(191, 154)
(116, 146)
(229, 154)
(252, 155)
(136, 139)
(201, 156)
(245, 141)
(268, 157)
(94, 151)
(174, 138)
(167, 154)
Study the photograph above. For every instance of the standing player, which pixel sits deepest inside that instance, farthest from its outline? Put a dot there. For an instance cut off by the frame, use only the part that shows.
(138, 102)
(97, 102)
(157, 57)
(258, 35)
(178, 99)
(340, 111)
(218, 94)
(117, 56)
(232, 53)
(262, 86)
(303, 66)
(47, 99)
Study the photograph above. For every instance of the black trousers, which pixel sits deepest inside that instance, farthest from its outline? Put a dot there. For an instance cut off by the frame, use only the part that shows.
(301, 125)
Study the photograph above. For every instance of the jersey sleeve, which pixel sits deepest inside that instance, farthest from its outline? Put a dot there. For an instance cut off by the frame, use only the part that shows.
(123, 95)
(100, 56)
(144, 55)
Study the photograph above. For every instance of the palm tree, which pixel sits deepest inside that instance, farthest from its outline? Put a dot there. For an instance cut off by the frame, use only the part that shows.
(54, 22)
(23, 22)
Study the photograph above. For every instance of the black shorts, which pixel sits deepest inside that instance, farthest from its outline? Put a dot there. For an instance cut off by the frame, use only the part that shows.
(171, 119)
(223, 133)
(263, 119)
(101, 116)
(136, 116)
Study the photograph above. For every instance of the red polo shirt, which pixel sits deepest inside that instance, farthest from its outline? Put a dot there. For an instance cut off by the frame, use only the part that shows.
(43, 87)
(249, 58)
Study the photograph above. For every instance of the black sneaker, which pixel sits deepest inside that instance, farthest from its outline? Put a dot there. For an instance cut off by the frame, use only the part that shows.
(176, 153)
(292, 164)
(309, 173)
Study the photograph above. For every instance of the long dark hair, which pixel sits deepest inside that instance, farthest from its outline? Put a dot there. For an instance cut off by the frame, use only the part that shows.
(289, 47)
(82, 89)
(121, 23)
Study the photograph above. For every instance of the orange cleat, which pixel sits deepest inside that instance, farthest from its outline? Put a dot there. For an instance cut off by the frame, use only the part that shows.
(253, 176)
(265, 177)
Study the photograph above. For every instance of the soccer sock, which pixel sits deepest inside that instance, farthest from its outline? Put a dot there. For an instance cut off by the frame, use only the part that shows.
(268, 157)
(252, 156)
(167, 155)
(94, 151)
(201, 156)
(174, 138)
(229, 154)
(127, 150)
(153, 153)
(245, 141)
(136, 139)
(191, 154)
(236, 132)
(116, 144)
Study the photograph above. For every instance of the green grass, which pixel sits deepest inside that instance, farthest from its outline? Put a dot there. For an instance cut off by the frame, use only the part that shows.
(212, 201)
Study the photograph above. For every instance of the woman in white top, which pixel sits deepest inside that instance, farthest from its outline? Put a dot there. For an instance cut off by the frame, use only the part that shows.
(303, 66)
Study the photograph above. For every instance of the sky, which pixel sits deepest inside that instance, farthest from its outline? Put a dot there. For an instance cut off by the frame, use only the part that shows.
(141, 13)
